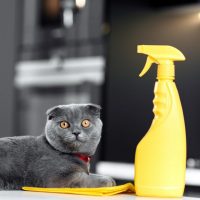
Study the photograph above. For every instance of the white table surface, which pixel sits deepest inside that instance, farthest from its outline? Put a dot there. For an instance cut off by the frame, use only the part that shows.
(22, 195)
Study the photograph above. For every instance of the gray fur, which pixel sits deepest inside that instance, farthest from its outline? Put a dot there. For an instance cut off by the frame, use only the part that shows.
(48, 160)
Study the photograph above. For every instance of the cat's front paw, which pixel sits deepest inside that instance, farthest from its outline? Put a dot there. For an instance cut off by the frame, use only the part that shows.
(106, 181)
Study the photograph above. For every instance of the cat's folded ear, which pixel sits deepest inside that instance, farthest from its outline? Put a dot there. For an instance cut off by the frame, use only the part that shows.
(51, 112)
(94, 109)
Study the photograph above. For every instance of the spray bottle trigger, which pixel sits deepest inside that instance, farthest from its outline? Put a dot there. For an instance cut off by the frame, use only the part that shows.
(149, 62)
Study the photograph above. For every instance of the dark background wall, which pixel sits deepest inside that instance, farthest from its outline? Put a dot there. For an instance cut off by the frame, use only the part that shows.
(128, 97)
(43, 37)
(8, 47)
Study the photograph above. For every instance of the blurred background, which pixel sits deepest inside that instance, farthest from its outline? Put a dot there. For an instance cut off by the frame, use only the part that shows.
(78, 51)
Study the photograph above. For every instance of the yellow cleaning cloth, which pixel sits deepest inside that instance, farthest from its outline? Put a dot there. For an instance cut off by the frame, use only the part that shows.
(102, 191)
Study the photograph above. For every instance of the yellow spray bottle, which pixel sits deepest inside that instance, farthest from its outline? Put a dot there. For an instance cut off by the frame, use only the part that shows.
(160, 159)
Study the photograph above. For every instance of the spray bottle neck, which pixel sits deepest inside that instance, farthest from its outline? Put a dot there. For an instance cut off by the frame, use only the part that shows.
(166, 70)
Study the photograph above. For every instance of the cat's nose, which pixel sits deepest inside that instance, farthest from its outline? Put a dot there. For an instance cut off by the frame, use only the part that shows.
(76, 133)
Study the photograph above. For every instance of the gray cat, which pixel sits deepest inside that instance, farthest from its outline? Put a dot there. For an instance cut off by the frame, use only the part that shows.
(59, 157)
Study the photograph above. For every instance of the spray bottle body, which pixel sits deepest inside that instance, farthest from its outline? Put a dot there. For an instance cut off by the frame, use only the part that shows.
(160, 159)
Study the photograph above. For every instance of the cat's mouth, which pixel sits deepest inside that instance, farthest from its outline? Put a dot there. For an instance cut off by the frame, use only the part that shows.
(75, 146)
(75, 141)
(80, 139)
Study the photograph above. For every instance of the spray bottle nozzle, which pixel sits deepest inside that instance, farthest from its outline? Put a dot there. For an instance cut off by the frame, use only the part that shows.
(164, 56)
(148, 64)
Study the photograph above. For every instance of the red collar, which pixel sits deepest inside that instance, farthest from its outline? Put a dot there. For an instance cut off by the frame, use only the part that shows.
(83, 157)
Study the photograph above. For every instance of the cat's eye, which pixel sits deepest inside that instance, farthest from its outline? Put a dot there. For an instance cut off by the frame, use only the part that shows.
(85, 123)
(64, 124)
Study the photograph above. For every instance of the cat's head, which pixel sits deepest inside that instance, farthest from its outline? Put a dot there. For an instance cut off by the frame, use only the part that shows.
(74, 128)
